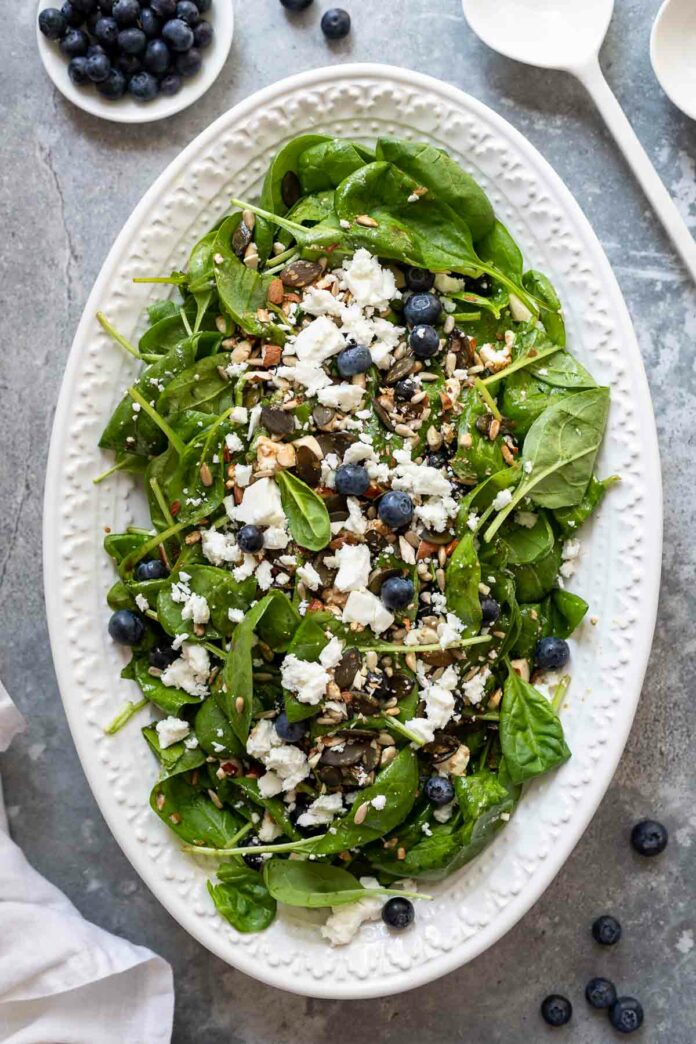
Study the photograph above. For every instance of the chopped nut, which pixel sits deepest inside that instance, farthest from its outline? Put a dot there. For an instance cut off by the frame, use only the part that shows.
(366, 221)
(276, 291)
(193, 538)
(521, 667)
(206, 475)
(239, 704)
(361, 813)
(271, 355)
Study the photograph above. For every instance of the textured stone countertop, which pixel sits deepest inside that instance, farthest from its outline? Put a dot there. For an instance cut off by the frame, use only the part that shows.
(67, 184)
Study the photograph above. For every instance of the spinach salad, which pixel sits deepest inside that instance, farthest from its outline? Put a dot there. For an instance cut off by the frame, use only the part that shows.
(367, 454)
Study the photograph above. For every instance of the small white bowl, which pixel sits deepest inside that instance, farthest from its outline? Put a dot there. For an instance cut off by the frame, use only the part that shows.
(673, 53)
(126, 109)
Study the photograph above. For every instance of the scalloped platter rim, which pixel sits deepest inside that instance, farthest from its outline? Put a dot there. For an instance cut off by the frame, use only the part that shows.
(618, 574)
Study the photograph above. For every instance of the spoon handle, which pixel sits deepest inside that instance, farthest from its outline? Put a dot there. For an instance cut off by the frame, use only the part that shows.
(637, 158)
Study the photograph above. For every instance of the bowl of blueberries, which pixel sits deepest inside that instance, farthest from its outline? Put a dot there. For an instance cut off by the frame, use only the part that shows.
(134, 61)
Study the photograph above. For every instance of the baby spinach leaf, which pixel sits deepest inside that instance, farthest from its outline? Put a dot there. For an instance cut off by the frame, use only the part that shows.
(214, 733)
(498, 247)
(174, 759)
(477, 457)
(307, 643)
(565, 612)
(531, 734)
(534, 579)
(161, 310)
(398, 783)
(191, 814)
(274, 806)
(300, 882)
(286, 161)
(562, 370)
(324, 166)
(242, 898)
(222, 593)
(197, 484)
(306, 512)
(525, 545)
(310, 210)
(558, 614)
(435, 170)
(462, 581)
(525, 398)
(551, 316)
(168, 698)
(242, 290)
(571, 518)
(200, 387)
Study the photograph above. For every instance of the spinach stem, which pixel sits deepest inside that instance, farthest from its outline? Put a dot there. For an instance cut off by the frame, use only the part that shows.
(488, 399)
(466, 317)
(214, 650)
(281, 260)
(175, 279)
(287, 846)
(520, 364)
(161, 423)
(398, 726)
(559, 692)
(119, 338)
(162, 503)
(433, 647)
(159, 538)
(184, 319)
(109, 471)
(124, 716)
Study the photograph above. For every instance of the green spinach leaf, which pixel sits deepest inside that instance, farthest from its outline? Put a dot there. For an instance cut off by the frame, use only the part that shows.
(306, 512)
(242, 898)
(531, 734)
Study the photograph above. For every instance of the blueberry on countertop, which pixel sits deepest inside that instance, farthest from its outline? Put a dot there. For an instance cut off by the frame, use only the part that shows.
(422, 309)
(439, 790)
(419, 280)
(354, 360)
(551, 653)
(77, 71)
(335, 23)
(398, 913)
(143, 86)
(556, 1010)
(203, 34)
(52, 23)
(397, 592)
(352, 480)
(74, 44)
(152, 569)
(425, 341)
(600, 993)
(126, 627)
(289, 731)
(606, 930)
(295, 5)
(649, 837)
(626, 1014)
(395, 509)
(490, 609)
(189, 63)
(250, 539)
(177, 34)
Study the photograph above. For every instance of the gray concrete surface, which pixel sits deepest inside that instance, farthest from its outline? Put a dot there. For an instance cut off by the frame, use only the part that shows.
(68, 182)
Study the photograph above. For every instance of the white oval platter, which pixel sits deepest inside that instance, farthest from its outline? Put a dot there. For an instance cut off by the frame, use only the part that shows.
(618, 572)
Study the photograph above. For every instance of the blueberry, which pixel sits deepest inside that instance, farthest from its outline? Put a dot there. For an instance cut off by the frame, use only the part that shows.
(126, 12)
(189, 63)
(422, 309)
(126, 627)
(114, 86)
(77, 71)
(85, 7)
(556, 1010)
(404, 391)
(170, 84)
(129, 65)
(425, 341)
(396, 592)
(164, 8)
(92, 20)
(398, 913)
(203, 34)
(626, 1014)
(250, 539)
(335, 23)
(419, 279)
(150, 23)
(162, 656)
(132, 41)
(352, 480)
(74, 44)
(177, 34)
(649, 838)
(289, 731)
(254, 862)
(395, 509)
(157, 57)
(203, 5)
(94, 49)
(187, 11)
(600, 993)
(98, 67)
(153, 569)
(143, 86)
(106, 31)
(353, 360)
(439, 790)
(606, 930)
(295, 5)
(52, 23)
(72, 16)
(551, 653)
(490, 609)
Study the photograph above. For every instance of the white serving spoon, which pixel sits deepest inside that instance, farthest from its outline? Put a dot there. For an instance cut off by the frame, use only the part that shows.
(567, 34)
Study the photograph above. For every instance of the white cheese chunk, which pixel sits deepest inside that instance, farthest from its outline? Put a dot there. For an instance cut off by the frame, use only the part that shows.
(353, 567)
(171, 730)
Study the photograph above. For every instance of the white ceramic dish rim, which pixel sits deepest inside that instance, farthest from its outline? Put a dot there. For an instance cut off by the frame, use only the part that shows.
(127, 110)
(684, 100)
(595, 787)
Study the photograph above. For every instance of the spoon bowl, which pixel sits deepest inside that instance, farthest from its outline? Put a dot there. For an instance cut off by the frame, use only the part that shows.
(551, 34)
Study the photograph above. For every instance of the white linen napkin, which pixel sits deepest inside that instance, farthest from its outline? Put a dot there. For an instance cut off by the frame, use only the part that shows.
(62, 979)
